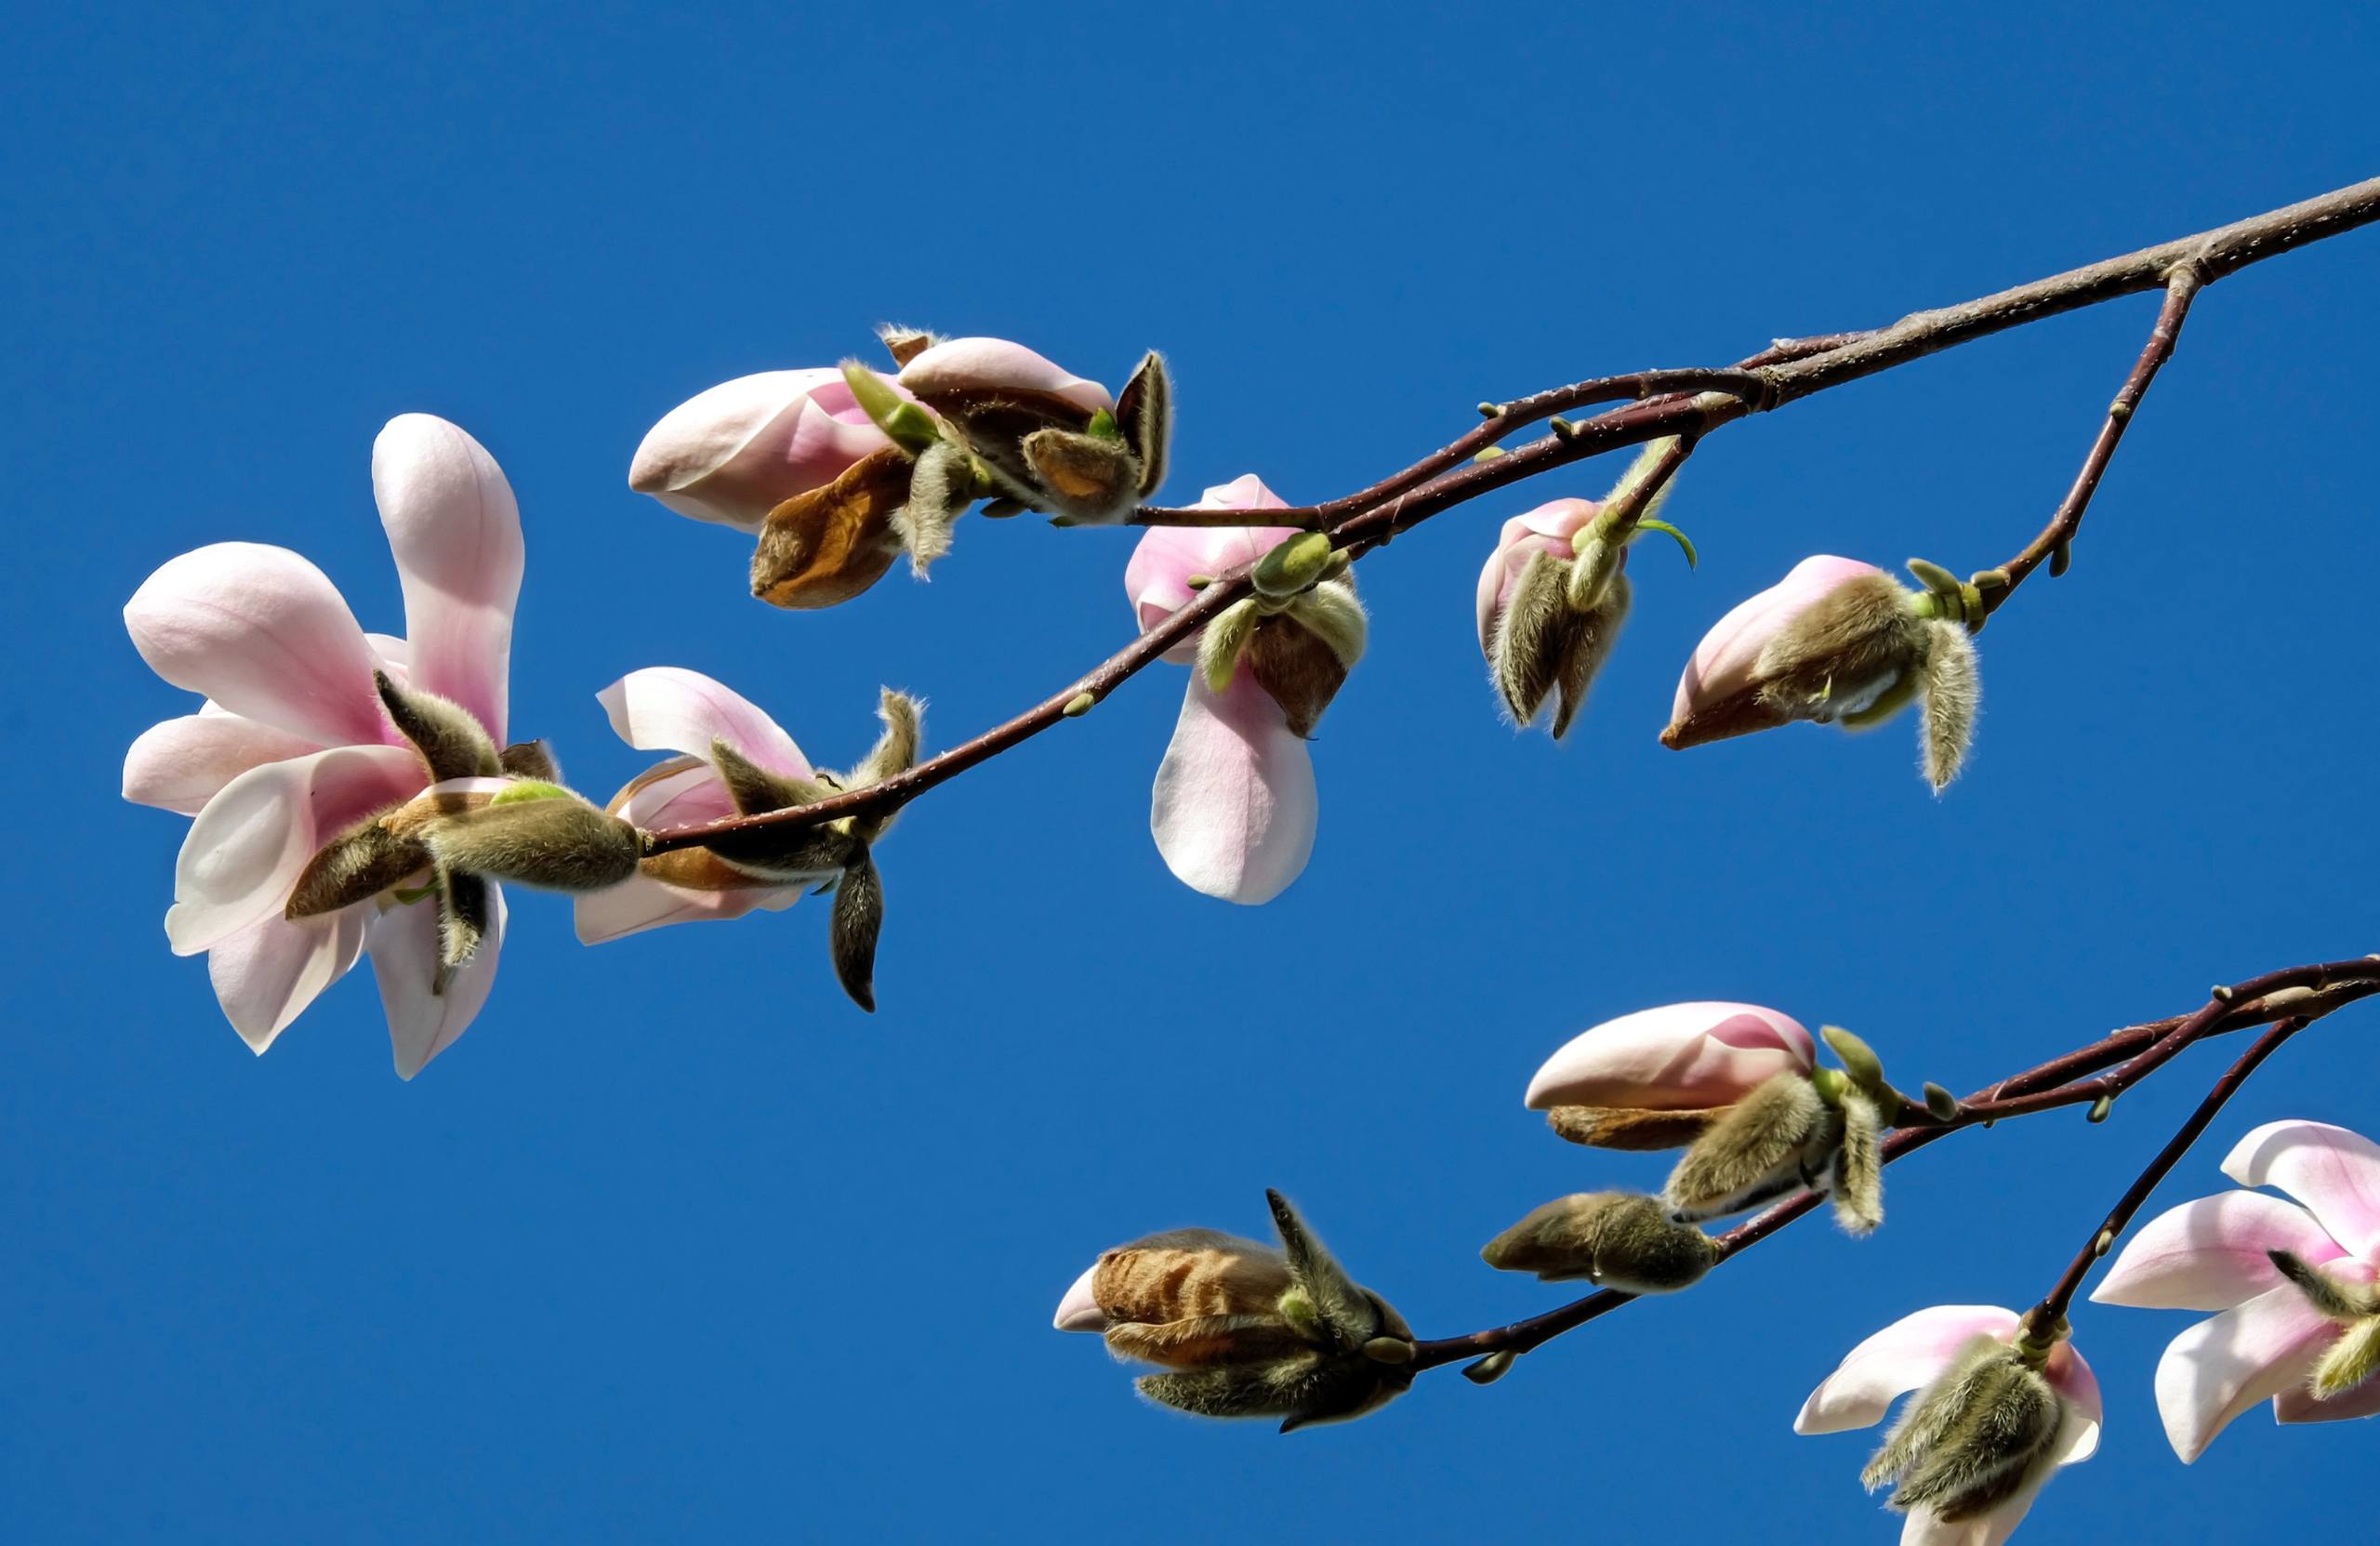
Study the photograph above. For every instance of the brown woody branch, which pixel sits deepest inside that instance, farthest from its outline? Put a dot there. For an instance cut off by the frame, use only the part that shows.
(1686, 404)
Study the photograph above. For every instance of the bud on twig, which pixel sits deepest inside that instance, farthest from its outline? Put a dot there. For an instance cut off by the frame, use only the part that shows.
(1621, 1240)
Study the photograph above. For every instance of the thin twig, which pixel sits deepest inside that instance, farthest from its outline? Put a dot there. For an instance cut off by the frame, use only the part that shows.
(1378, 516)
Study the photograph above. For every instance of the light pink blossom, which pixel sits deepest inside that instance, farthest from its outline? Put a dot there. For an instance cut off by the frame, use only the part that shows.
(669, 708)
(1726, 663)
(1907, 1355)
(1080, 1311)
(735, 453)
(1678, 1057)
(292, 745)
(2209, 1255)
(976, 367)
(1233, 808)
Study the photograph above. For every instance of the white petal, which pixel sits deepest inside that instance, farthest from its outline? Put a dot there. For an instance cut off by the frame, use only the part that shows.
(455, 531)
(422, 1023)
(181, 765)
(2335, 1173)
(265, 974)
(2210, 1254)
(2221, 1366)
(1078, 1310)
(249, 844)
(642, 903)
(670, 708)
(1899, 1359)
(1234, 807)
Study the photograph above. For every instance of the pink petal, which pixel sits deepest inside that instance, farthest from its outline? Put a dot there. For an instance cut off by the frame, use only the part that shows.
(2223, 1366)
(2210, 1254)
(1899, 1359)
(733, 453)
(249, 844)
(2297, 1405)
(1722, 663)
(456, 532)
(996, 365)
(1676, 1057)
(642, 903)
(1156, 575)
(2335, 1173)
(1546, 529)
(669, 708)
(181, 765)
(2078, 1434)
(422, 1023)
(1078, 1311)
(263, 633)
(1235, 808)
(691, 797)
(265, 974)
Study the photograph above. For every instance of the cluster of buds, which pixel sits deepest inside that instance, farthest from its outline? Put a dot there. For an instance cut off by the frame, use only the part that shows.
(2000, 1404)
(1244, 1329)
(1738, 1088)
(1554, 592)
(1299, 635)
(488, 815)
(839, 471)
(1839, 642)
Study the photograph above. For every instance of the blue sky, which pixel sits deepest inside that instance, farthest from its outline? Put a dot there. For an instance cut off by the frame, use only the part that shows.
(675, 1244)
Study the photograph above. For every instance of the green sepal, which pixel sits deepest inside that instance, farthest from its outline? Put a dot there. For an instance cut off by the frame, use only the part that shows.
(1685, 543)
(523, 789)
(906, 425)
(1103, 426)
(1292, 567)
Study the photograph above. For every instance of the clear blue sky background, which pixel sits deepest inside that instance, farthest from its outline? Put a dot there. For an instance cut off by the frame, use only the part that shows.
(677, 1245)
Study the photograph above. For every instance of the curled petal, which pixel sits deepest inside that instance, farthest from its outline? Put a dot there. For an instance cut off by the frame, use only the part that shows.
(2298, 1403)
(181, 764)
(250, 843)
(1078, 1311)
(265, 974)
(2335, 1173)
(2210, 1254)
(263, 633)
(2078, 1435)
(994, 365)
(643, 902)
(1722, 663)
(425, 1017)
(1899, 1359)
(669, 708)
(737, 451)
(2225, 1365)
(455, 531)
(1234, 807)
(1676, 1057)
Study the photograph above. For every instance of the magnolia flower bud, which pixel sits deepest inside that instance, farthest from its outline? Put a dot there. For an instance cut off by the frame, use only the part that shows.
(1539, 638)
(1620, 1240)
(1052, 440)
(1253, 1331)
(1984, 1430)
(552, 839)
(1655, 1079)
(1775, 1140)
(737, 452)
(1836, 641)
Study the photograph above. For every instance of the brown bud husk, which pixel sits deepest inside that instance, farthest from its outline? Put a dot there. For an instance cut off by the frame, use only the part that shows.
(829, 545)
(531, 759)
(1974, 1438)
(1773, 1140)
(360, 863)
(904, 343)
(859, 917)
(463, 908)
(1637, 1131)
(448, 737)
(1623, 1240)
(1189, 1273)
(1144, 414)
(1301, 669)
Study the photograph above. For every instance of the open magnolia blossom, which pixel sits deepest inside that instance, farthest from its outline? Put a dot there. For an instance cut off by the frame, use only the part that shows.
(1839, 642)
(1235, 806)
(1244, 1329)
(295, 745)
(738, 761)
(1998, 1415)
(2295, 1342)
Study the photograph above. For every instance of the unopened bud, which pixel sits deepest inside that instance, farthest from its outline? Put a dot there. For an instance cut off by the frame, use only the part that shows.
(557, 842)
(1488, 1371)
(1859, 1059)
(1291, 566)
(1973, 1439)
(1943, 1106)
(2100, 1109)
(1621, 1240)
(1775, 1140)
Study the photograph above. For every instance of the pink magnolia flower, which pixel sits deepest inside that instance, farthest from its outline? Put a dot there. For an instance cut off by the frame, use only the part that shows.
(292, 745)
(1910, 1354)
(974, 366)
(2210, 1255)
(669, 709)
(733, 453)
(1679, 1057)
(1547, 529)
(1234, 807)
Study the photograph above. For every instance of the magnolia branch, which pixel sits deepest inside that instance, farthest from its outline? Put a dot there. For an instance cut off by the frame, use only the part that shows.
(2291, 999)
(1686, 404)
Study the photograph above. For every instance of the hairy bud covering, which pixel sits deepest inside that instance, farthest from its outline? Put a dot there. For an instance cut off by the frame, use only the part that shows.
(1984, 1430)
(1623, 1240)
(1775, 1139)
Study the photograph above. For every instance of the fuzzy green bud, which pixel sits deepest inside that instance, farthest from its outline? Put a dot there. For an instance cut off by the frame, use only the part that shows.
(1292, 567)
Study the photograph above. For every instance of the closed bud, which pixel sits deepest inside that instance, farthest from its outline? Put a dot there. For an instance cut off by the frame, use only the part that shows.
(447, 734)
(1291, 566)
(1551, 602)
(739, 451)
(1858, 1059)
(1621, 1240)
(562, 844)
(1488, 1371)
(1659, 1078)
(1984, 1430)
(1001, 396)
(1621, 1128)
